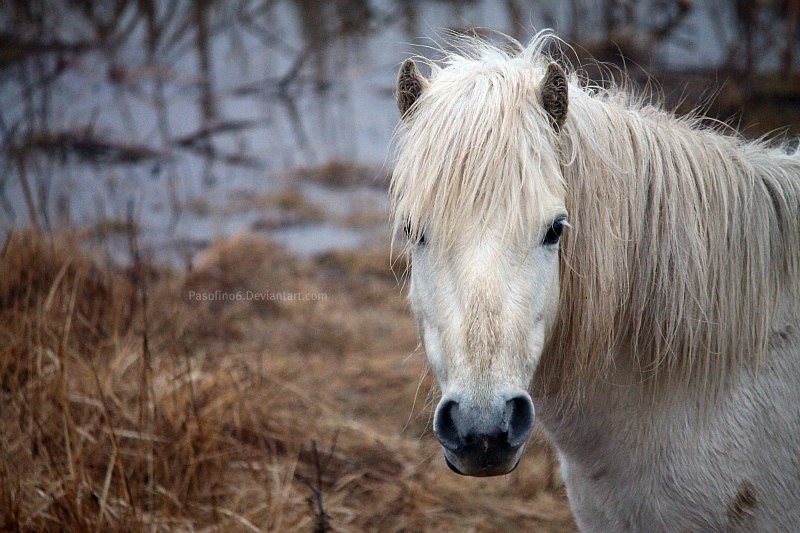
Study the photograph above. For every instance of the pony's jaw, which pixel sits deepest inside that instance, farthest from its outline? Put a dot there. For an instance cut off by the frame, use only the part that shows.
(483, 325)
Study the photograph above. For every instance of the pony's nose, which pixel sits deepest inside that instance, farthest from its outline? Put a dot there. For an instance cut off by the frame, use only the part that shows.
(484, 441)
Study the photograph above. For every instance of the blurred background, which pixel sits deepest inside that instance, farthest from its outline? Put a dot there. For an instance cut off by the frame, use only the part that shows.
(201, 117)
(202, 327)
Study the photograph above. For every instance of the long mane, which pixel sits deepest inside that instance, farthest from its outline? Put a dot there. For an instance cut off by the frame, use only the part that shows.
(685, 251)
(683, 256)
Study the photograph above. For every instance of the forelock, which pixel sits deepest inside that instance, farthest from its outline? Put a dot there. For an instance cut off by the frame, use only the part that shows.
(477, 146)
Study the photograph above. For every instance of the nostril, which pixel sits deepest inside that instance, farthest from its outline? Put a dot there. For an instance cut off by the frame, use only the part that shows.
(445, 425)
(520, 416)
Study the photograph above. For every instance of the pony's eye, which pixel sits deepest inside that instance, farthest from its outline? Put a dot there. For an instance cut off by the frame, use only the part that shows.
(411, 234)
(554, 232)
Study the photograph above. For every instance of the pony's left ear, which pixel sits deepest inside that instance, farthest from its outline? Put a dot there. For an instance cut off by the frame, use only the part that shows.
(553, 94)
(410, 84)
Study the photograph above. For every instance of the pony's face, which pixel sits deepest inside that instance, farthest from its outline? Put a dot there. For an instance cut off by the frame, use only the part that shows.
(484, 309)
(484, 282)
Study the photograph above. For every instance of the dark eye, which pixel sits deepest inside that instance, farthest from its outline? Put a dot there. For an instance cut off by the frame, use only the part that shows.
(411, 234)
(554, 232)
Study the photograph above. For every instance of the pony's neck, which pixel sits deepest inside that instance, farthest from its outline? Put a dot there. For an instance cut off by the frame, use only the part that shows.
(684, 251)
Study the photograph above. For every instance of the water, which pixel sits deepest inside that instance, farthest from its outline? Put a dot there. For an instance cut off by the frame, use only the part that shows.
(113, 128)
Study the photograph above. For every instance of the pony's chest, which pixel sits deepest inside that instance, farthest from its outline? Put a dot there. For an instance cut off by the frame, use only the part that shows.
(671, 467)
(629, 471)
(641, 496)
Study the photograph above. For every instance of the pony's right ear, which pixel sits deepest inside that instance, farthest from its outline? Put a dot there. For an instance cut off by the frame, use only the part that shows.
(410, 84)
(553, 94)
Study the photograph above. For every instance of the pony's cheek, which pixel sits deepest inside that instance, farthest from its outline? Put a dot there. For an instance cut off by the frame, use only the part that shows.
(536, 337)
(544, 303)
(435, 354)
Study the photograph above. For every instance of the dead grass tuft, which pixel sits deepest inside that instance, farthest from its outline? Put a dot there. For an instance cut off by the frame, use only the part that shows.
(337, 173)
(51, 301)
(127, 406)
(286, 207)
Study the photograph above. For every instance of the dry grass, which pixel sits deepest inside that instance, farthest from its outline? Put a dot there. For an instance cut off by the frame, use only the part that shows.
(128, 406)
(336, 173)
(286, 207)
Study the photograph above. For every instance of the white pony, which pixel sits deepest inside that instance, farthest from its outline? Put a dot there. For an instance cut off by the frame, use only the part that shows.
(632, 275)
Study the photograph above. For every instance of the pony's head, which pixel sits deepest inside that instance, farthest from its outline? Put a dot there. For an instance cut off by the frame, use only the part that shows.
(478, 190)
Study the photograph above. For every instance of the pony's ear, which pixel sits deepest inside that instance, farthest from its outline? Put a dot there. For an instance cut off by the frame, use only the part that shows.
(553, 94)
(410, 84)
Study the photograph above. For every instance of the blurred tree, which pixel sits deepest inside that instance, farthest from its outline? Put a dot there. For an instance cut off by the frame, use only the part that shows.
(792, 17)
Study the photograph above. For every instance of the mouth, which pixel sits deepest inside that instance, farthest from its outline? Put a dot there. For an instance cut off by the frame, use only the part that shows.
(488, 464)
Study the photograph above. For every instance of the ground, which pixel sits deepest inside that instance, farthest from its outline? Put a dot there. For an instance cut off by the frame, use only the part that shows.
(131, 402)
